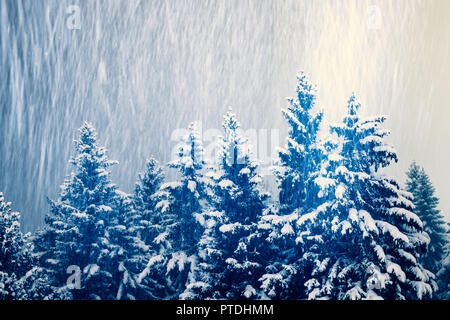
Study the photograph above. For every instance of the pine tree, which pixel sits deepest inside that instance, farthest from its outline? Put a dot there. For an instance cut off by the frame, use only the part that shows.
(36, 285)
(15, 253)
(300, 158)
(150, 221)
(426, 204)
(296, 174)
(20, 278)
(188, 196)
(75, 231)
(145, 200)
(204, 281)
(186, 202)
(179, 205)
(230, 259)
(363, 241)
(124, 255)
(443, 275)
(283, 273)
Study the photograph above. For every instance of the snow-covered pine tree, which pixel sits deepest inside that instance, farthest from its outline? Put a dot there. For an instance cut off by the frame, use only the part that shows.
(300, 158)
(188, 197)
(283, 275)
(179, 205)
(15, 253)
(124, 254)
(74, 234)
(36, 285)
(20, 277)
(296, 173)
(363, 241)
(145, 200)
(443, 275)
(150, 224)
(230, 260)
(426, 207)
(204, 281)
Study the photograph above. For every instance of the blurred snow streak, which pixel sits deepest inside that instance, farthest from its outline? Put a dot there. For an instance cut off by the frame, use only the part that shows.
(141, 69)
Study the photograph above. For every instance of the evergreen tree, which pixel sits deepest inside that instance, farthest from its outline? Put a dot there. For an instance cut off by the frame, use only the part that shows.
(150, 204)
(187, 197)
(301, 156)
(150, 221)
(145, 200)
(179, 205)
(15, 253)
(298, 168)
(230, 260)
(20, 278)
(75, 235)
(443, 274)
(204, 281)
(124, 255)
(36, 285)
(283, 276)
(363, 241)
(426, 203)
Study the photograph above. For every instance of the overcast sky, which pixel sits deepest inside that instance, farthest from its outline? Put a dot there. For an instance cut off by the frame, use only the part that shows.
(140, 70)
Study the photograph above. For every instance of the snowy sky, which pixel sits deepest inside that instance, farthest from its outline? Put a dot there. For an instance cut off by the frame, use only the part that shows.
(140, 70)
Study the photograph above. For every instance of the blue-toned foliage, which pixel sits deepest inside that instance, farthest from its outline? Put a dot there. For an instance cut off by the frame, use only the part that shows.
(340, 229)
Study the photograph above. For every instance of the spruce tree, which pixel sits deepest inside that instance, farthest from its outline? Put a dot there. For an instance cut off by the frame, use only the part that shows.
(124, 255)
(74, 237)
(426, 207)
(230, 260)
(283, 274)
(300, 158)
(186, 201)
(150, 224)
(145, 200)
(296, 173)
(20, 277)
(204, 281)
(363, 241)
(15, 253)
(443, 275)
(188, 197)
(179, 205)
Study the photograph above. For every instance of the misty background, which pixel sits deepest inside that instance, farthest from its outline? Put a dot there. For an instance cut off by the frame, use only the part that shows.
(141, 70)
